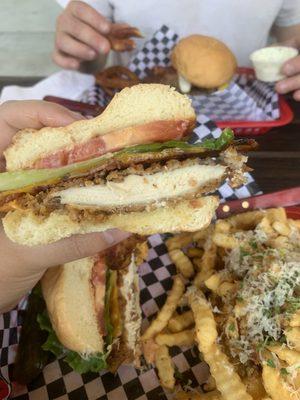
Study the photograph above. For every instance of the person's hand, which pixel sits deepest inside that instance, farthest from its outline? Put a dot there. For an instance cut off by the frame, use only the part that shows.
(291, 83)
(291, 69)
(80, 35)
(21, 266)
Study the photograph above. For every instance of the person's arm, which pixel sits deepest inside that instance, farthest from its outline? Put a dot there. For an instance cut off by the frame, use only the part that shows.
(287, 32)
(21, 266)
(81, 33)
(290, 36)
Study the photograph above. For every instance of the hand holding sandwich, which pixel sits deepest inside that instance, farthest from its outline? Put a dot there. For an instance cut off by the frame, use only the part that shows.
(124, 169)
(21, 267)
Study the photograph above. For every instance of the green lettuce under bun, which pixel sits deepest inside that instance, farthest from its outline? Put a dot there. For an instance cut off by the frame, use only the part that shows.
(80, 363)
(17, 180)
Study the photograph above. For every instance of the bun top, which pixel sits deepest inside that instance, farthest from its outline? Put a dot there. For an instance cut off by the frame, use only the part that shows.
(137, 105)
(204, 61)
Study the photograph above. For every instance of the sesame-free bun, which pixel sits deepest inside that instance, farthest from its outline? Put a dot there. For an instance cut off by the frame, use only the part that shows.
(69, 296)
(204, 61)
(137, 105)
(26, 228)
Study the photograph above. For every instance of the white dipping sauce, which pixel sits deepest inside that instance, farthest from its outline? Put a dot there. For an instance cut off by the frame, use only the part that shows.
(268, 62)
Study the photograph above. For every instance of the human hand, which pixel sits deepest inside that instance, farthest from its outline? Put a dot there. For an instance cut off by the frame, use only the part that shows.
(21, 266)
(80, 35)
(291, 69)
(291, 83)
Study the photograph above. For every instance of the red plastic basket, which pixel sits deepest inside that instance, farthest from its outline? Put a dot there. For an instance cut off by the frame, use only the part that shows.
(293, 212)
(248, 128)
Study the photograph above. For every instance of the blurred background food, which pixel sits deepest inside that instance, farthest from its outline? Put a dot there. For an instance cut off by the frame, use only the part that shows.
(203, 61)
(268, 62)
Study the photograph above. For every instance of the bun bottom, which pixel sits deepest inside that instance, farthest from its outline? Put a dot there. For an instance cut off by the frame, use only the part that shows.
(26, 228)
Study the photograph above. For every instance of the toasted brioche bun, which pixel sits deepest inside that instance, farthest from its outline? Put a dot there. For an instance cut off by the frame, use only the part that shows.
(25, 228)
(69, 297)
(68, 293)
(204, 61)
(137, 105)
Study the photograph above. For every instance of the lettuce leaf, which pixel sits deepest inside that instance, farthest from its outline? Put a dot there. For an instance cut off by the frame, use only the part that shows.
(79, 363)
(82, 365)
(221, 142)
(20, 179)
(16, 180)
(52, 344)
(218, 144)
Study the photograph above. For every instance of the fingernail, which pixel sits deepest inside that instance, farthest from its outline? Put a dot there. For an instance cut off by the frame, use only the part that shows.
(74, 64)
(288, 69)
(77, 116)
(103, 48)
(91, 54)
(105, 27)
(108, 238)
(281, 87)
(115, 236)
(297, 96)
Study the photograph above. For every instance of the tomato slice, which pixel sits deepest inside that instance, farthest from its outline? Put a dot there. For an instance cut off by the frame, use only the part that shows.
(157, 131)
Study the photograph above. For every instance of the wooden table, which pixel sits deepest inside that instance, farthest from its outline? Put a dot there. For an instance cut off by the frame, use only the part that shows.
(276, 163)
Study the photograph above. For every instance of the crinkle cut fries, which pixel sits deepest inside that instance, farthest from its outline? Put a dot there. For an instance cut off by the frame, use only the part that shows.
(240, 278)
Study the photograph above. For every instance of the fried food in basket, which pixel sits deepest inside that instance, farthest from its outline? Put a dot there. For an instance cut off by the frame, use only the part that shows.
(182, 263)
(121, 35)
(162, 74)
(246, 311)
(113, 79)
(165, 367)
(167, 311)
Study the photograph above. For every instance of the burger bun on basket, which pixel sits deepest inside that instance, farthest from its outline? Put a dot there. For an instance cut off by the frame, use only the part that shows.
(203, 61)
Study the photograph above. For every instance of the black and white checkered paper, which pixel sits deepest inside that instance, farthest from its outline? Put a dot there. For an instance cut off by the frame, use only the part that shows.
(244, 99)
(58, 381)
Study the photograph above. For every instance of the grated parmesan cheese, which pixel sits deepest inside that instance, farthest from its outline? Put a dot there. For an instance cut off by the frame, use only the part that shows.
(270, 284)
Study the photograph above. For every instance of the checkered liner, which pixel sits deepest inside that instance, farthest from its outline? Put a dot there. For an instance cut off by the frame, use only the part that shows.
(255, 101)
(58, 381)
(244, 99)
(156, 51)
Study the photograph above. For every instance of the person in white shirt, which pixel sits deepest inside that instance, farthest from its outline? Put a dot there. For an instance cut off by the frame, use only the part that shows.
(244, 25)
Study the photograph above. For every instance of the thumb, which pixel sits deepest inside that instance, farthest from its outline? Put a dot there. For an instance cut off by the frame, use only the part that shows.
(23, 261)
(33, 114)
(80, 246)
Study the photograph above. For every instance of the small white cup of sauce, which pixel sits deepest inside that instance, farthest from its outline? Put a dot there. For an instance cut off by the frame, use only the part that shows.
(268, 61)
